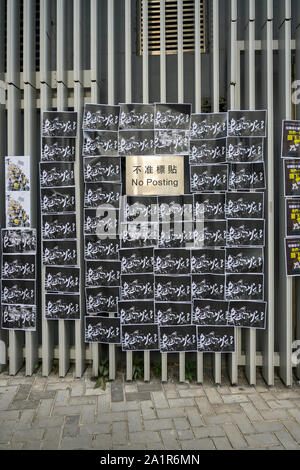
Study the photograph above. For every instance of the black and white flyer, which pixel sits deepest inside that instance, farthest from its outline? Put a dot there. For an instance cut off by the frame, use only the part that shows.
(207, 151)
(292, 217)
(208, 286)
(97, 249)
(58, 149)
(245, 205)
(141, 209)
(171, 313)
(244, 287)
(292, 256)
(97, 194)
(20, 267)
(100, 143)
(178, 339)
(210, 312)
(104, 330)
(246, 176)
(58, 200)
(209, 126)
(208, 261)
(215, 339)
(245, 232)
(102, 273)
(62, 280)
(140, 337)
(247, 123)
(62, 307)
(59, 227)
(100, 169)
(244, 260)
(290, 139)
(291, 178)
(176, 236)
(54, 175)
(139, 235)
(173, 288)
(102, 300)
(136, 116)
(19, 241)
(101, 222)
(172, 116)
(210, 206)
(137, 312)
(18, 317)
(137, 261)
(175, 208)
(101, 117)
(245, 149)
(137, 287)
(60, 253)
(211, 233)
(172, 142)
(59, 124)
(247, 314)
(209, 178)
(18, 292)
(172, 261)
(136, 142)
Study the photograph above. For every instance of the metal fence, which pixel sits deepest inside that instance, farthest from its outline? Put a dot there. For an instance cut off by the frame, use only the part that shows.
(88, 51)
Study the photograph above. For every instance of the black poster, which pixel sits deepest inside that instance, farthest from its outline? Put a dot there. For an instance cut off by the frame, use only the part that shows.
(104, 330)
(210, 233)
(207, 151)
(208, 286)
(245, 149)
(62, 307)
(100, 143)
(172, 262)
(291, 178)
(58, 200)
(292, 217)
(102, 300)
(101, 117)
(138, 312)
(136, 116)
(210, 312)
(59, 124)
(209, 178)
(176, 236)
(245, 232)
(18, 267)
(175, 208)
(245, 205)
(99, 169)
(137, 261)
(216, 339)
(177, 314)
(18, 292)
(247, 314)
(208, 261)
(141, 209)
(291, 139)
(102, 273)
(136, 143)
(58, 149)
(209, 126)
(59, 227)
(292, 256)
(246, 176)
(17, 241)
(244, 260)
(178, 339)
(97, 249)
(56, 175)
(209, 206)
(139, 235)
(97, 194)
(172, 116)
(245, 287)
(62, 280)
(103, 222)
(172, 142)
(137, 287)
(247, 123)
(60, 253)
(173, 288)
(140, 338)
(18, 317)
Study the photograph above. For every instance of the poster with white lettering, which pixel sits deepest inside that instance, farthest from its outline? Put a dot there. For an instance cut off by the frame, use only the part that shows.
(137, 287)
(292, 211)
(175, 208)
(140, 337)
(62, 280)
(244, 287)
(100, 169)
(173, 288)
(213, 339)
(19, 241)
(136, 142)
(19, 267)
(56, 175)
(247, 314)
(137, 261)
(209, 206)
(97, 249)
(211, 233)
(139, 235)
(58, 149)
(59, 124)
(245, 205)
(245, 149)
(244, 260)
(104, 330)
(18, 317)
(209, 126)
(247, 123)
(172, 142)
(290, 139)
(208, 261)
(178, 339)
(97, 194)
(291, 178)
(176, 235)
(101, 222)
(137, 312)
(245, 232)
(172, 261)
(18, 292)
(102, 300)
(59, 227)
(209, 178)
(136, 116)
(210, 312)
(58, 200)
(62, 307)
(100, 143)
(141, 209)
(172, 116)
(60, 253)
(292, 256)
(208, 286)
(102, 273)
(171, 313)
(246, 176)
(207, 151)
(101, 117)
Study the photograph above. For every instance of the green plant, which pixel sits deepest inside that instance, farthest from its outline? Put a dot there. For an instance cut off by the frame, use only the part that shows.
(157, 369)
(36, 367)
(190, 371)
(103, 374)
(138, 368)
(55, 365)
